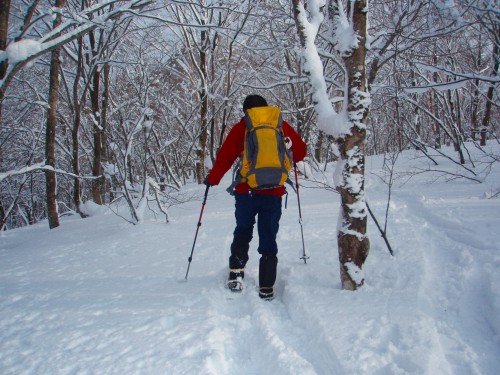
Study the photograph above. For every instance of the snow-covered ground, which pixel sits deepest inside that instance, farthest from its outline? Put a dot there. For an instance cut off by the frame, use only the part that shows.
(101, 296)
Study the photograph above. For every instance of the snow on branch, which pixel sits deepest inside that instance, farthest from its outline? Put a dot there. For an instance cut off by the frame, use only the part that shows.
(345, 39)
(39, 167)
(329, 121)
(445, 86)
(19, 53)
(467, 76)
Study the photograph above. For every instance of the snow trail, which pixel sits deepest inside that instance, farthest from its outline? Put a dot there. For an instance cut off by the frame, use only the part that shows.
(252, 336)
(456, 282)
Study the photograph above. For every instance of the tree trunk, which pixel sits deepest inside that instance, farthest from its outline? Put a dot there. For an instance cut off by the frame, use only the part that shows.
(353, 242)
(475, 110)
(454, 128)
(200, 167)
(318, 150)
(105, 183)
(435, 107)
(4, 28)
(487, 115)
(94, 101)
(77, 116)
(476, 94)
(50, 134)
(491, 90)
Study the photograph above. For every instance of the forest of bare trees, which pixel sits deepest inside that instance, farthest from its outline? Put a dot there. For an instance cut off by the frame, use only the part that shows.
(117, 102)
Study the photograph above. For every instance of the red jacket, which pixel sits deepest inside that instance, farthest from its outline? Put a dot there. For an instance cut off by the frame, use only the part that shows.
(232, 148)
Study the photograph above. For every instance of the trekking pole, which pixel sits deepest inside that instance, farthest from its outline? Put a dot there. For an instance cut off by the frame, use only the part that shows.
(197, 229)
(304, 256)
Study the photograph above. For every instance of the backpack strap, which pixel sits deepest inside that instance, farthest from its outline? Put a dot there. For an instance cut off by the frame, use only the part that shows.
(236, 178)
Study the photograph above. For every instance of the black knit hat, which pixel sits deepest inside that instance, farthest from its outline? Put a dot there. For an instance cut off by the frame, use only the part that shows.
(252, 101)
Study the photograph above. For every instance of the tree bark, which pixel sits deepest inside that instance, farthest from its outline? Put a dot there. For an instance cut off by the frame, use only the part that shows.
(4, 28)
(476, 94)
(435, 106)
(318, 150)
(77, 117)
(50, 134)
(200, 167)
(491, 90)
(353, 242)
(104, 128)
(97, 128)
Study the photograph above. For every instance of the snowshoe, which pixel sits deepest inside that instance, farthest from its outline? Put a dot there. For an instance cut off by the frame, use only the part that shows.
(266, 293)
(235, 280)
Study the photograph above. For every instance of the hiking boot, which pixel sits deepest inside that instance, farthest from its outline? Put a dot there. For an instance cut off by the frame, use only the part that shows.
(266, 293)
(235, 280)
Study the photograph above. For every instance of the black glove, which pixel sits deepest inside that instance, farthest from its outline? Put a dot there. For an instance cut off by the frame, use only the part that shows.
(205, 181)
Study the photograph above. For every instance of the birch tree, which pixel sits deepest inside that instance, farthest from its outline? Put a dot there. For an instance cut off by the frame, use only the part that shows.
(348, 32)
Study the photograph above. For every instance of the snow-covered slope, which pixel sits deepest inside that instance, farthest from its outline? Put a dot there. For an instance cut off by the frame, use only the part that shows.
(100, 296)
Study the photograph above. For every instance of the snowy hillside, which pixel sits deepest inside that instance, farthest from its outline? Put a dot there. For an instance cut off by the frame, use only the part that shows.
(100, 296)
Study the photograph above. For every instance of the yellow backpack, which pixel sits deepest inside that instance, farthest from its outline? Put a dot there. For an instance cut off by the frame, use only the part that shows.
(266, 160)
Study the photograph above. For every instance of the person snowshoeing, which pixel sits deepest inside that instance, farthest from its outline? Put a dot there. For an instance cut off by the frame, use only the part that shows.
(268, 146)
